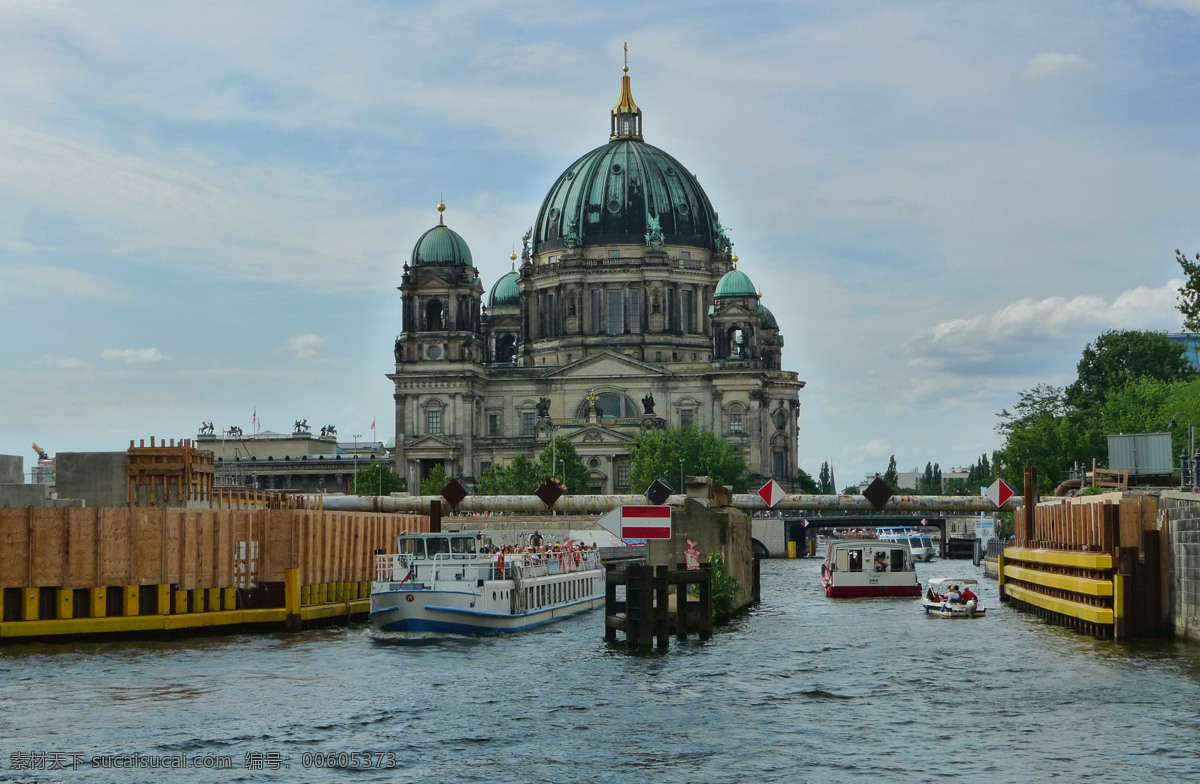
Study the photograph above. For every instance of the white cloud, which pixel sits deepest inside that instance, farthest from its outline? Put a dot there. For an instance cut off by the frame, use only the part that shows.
(1028, 320)
(1049, 65)
(61, 363)
(306, 348)
(876, 447)
(134, 356)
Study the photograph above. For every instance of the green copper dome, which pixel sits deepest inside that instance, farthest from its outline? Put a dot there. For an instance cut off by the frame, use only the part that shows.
(735, 283)
(441, 245)
(621, 193)
(767, 318)
(506, 291)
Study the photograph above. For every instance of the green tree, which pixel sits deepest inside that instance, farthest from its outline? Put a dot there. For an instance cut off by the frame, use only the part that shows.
(570, 469)
(927, 486)
(805, 483)
(437, 479)
(826, 479)
(892, 476)
(1189, 295)
(1116, 359)
(702, 452)
(1039, 434)
(369, 479)
(520, 477)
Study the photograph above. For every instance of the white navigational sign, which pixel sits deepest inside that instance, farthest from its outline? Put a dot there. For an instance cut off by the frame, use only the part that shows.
(999, 492)
(771, 493)
(638, 522)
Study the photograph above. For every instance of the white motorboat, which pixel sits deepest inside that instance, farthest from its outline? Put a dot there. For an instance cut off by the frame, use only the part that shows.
(919, 544)
(868, 567)
(453, 582)
(944, 598)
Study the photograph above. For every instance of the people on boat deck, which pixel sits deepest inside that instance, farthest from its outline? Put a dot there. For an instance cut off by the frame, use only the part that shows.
(536, 539)
(968, 595)
(953, 595)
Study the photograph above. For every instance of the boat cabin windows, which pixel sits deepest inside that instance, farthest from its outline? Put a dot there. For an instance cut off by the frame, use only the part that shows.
(897, 560)
(462, 545)
(412, 546)
(854, 560)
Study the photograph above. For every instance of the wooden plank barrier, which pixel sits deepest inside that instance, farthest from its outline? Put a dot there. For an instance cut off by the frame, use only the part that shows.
(1089, 562)
(75, 571)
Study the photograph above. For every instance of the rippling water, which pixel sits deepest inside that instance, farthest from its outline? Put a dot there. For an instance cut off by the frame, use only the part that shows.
(801, 689)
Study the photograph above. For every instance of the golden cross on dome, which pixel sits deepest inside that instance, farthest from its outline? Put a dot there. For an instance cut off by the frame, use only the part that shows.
(626, 68)
(592, 398)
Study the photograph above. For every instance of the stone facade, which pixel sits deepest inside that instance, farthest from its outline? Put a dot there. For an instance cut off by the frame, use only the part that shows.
(1183, 513)
(626, 313)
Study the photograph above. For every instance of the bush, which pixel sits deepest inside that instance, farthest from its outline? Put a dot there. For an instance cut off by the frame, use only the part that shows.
(724, 588)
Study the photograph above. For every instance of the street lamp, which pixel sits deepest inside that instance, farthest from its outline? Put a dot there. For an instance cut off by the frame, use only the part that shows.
(682, 489)
(354, 480)
(563, 473)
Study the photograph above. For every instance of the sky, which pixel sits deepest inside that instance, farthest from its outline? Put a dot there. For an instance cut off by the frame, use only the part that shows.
(205, 208)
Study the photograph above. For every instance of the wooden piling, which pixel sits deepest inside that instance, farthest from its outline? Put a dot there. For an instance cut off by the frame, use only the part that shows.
(646, 616)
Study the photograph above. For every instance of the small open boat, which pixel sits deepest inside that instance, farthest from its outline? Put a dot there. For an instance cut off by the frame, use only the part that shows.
(944, 598)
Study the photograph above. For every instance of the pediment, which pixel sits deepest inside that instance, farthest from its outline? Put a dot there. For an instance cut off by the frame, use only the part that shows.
(431, 443)
(593, 435)
(608, 365)
(737, 311)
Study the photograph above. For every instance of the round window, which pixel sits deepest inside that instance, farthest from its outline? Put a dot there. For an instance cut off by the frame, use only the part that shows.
(594, 462)
(682, 208)
(614, 206)
(616, 168)
(434, 352)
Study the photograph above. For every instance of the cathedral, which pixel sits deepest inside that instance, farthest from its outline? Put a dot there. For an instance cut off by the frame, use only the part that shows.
(627, 313)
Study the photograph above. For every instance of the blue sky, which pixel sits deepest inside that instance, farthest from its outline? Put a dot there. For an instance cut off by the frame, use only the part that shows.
(205, 208)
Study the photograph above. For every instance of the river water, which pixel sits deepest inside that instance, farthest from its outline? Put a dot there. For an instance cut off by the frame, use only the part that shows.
(801, 689)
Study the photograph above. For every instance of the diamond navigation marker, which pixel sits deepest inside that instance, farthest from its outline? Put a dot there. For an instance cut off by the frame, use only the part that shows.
(454, 493)
(999, 492)
(878, 493)
(549, 491)
(771, 493)
(658, 492)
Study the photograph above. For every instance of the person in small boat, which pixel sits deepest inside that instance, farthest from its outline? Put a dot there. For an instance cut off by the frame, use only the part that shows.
(953, 595)
(931, 595)
(968, 595)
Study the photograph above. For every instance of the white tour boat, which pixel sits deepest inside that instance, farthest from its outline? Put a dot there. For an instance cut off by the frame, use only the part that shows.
(938, 599)
(919, 544)
(451, 582)
(869, 567)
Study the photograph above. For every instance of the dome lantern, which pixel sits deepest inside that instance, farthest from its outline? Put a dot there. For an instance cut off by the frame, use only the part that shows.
(626, 116)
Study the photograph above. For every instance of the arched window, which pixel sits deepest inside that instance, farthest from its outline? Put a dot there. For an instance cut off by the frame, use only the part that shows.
(435, 316)
(611, 404)
(506, 348)
(735, 342)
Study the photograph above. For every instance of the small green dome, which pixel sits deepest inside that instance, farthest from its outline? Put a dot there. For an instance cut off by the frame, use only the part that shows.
(506, 291)
(441, 245)
(735, 283)
(766, 318)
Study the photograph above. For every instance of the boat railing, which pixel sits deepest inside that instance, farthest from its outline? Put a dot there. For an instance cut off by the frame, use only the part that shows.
(402, 567)
(393, 567)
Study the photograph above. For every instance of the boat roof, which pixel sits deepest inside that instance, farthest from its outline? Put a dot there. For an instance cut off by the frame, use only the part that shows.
(427, 535)
(953, 581)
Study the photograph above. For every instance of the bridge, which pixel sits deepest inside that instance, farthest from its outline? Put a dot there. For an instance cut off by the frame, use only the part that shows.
(771, 533)
(804, 529)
